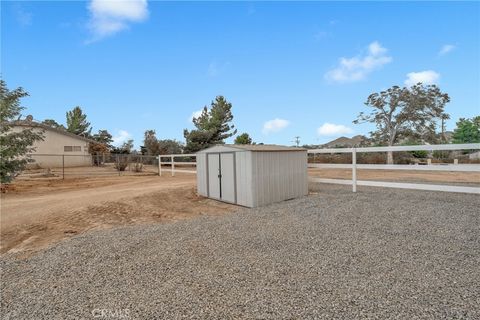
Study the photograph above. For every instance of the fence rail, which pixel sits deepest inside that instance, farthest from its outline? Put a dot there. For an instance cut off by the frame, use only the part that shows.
(172, 163)
(430, 167)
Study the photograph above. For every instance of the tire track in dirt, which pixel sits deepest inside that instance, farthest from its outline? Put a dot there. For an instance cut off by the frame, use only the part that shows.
(33, 219)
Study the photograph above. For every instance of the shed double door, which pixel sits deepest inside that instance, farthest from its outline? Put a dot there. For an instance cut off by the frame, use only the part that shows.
(221, 176)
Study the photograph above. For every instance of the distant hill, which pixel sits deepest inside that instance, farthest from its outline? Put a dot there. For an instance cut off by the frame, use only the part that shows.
(344, 142)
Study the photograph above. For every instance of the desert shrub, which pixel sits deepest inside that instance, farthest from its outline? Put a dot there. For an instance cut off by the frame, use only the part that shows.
(420, 154)
(372, 158)
(441, 154)
(121, 164)
(138, 167)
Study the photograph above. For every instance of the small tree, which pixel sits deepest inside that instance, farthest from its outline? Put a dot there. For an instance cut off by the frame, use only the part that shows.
(467, 131)
(150, 143)
(212, 126)
(127, 146)
(244, 138)
(404, 112)
(77, 122)
(52, 123)
(104, 137)
(168, 146)
(14, 146)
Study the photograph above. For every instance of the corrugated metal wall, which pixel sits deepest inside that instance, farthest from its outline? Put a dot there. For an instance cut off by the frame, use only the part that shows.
(244, 178)
(202, 174)
(278, 176)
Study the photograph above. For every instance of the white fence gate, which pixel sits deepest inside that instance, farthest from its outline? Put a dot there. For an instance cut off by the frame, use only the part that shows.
(431, 167)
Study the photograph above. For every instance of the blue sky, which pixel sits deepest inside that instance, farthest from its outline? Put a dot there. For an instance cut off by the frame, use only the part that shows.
(289, 68)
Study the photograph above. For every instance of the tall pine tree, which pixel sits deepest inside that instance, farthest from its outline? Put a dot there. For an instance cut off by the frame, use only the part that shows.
(213, 126)
(77, 122)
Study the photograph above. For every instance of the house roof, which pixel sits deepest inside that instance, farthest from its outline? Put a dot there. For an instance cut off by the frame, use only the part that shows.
(33, 124)
(259, 147)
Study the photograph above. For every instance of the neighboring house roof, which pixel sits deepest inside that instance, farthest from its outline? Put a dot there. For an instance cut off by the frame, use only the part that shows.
(33, 124)
(259, 147)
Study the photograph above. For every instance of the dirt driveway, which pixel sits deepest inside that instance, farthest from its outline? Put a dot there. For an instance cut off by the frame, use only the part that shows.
(40, 212)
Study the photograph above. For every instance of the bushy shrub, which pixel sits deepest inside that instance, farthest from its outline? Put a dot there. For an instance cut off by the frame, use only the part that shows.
(138, 167)
(441, 154)
(419, 154)
(121, 164)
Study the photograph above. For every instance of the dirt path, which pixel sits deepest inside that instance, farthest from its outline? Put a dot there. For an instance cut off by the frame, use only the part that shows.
(39, 213)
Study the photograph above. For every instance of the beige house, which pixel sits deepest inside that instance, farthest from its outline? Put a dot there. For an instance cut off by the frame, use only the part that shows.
(58, 148)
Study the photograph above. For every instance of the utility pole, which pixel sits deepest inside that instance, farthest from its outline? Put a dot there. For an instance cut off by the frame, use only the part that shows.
(297, 141)
(444, 117)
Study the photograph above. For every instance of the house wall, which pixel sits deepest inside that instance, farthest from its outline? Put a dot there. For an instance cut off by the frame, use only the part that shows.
(49, 152)
(278, 176)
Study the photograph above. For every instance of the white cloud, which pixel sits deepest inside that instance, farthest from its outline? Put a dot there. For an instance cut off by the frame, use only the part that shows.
(330, 129)
(275, 125)
(425, 77)
(446, 49)
(108, 17)
(357, 68)
(195, 114)
(121, 137)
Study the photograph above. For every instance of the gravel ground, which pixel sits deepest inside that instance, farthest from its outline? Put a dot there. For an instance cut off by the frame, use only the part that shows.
(377, 254)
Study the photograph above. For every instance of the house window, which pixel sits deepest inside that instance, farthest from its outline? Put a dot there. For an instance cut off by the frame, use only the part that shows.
(72, 148)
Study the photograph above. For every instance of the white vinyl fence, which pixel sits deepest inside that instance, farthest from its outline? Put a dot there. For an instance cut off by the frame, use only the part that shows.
(172, 163)
(431, 167)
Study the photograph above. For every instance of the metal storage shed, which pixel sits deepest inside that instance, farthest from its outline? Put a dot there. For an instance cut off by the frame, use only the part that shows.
(252, 175)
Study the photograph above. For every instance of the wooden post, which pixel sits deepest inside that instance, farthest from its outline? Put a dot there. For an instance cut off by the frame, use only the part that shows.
(118, 164)
(173, 167)
(159, 165)
(354, 170)
(63, 167)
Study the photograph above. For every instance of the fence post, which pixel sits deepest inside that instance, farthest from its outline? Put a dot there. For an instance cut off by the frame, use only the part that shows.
(159, 165)
(354, 170)
(118, 165)
(173, 167)
(63, 167)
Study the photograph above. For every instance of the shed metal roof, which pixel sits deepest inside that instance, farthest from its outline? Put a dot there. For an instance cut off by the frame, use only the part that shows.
(257, 147)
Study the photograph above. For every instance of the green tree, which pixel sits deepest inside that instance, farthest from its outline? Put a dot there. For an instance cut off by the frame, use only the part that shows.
(154, 146)
(467, 131)
(213, 126)
(14, 145)
(399, 113)
(150, 143)
(243, 138)
(103, 137)
(102, 145)
(77, 122)
(168, 146)
(52, 123)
